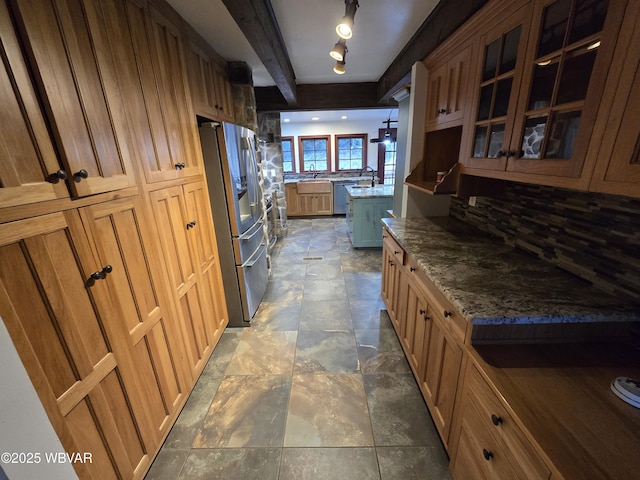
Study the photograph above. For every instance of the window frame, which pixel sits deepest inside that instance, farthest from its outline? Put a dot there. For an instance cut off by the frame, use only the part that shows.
(293, 154)
(327, 139)
(365, 139)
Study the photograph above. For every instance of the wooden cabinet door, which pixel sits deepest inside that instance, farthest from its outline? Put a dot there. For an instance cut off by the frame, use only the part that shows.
(291, 194)
(72, 65)
(167, 54)
(391, 280)
(67, 336)
(203, 241)
(436, 96)
(201, 82)
(570, 50)
(417, 318)
(29, 163)
(439, 376)
(617, 167)
(173, 223)
(122, 240)
(224, 98)
(497, 83)
(324, 204)
(307, 204)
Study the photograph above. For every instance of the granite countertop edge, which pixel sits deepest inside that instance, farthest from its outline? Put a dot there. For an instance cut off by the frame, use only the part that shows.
(469, 267)
(371, 192)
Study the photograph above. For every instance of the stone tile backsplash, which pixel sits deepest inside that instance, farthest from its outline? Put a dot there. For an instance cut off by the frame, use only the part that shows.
(594, 236)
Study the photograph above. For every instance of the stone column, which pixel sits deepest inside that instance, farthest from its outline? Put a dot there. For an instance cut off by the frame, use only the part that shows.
(271, 148)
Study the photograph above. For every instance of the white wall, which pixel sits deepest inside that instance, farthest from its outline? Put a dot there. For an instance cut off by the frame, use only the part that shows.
(24, 425)
(370, 127)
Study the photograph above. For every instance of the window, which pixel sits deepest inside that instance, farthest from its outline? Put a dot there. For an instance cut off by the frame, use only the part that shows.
(351, 151)
(315, 154)
(288, 155)
(387, 159)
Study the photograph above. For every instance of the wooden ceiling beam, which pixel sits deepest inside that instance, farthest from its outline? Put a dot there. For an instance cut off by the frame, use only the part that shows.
(441, 22)
(258, 23)
(325, 96)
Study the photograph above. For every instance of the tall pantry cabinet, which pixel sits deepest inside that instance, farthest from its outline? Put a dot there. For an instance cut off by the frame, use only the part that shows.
(112, 322)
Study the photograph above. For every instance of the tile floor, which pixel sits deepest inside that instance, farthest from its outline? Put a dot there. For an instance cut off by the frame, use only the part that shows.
(318, 388)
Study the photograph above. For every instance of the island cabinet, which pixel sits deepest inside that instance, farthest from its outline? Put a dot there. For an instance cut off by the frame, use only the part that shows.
(489, 444)
(430, 331)
(539, 84)
(363, 219)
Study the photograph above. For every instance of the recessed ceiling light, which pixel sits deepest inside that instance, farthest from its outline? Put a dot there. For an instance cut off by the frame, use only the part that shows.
(287, 120)
(343, 117)
(315, 118)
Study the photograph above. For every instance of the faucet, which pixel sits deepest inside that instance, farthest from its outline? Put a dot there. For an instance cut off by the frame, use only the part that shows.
(373, 174)
(312, 169)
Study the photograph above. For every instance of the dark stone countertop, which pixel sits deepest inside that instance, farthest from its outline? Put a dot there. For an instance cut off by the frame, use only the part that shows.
(491, 283)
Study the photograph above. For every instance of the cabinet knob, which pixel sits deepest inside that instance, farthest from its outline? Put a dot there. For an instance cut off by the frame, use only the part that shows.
(423, 311)
(191, 224)
(412, 269)
(395, 252)
(180, 165)
(390, 263)
(496, 420)
(80, 175)
(442, 111)
(101, 275)
(447, 313)
(510, 154)
(487, 454)
(57, 176)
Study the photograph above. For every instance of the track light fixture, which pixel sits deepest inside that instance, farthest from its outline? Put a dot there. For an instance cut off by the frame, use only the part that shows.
(339, 68)
(345, 27)
(339, 50)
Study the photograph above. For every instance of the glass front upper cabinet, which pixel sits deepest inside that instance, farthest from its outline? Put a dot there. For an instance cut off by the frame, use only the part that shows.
(566, 52)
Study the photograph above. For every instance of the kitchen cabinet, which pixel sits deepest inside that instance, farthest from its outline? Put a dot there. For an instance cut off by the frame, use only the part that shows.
(210, 89)
(30, 173)
(490, 444)
(447, 91)
(63, 307)
(617, 167)
(541, 83)
(307, 204)
(392, 263)
(70, 60)
(187, 244)
(363, 219)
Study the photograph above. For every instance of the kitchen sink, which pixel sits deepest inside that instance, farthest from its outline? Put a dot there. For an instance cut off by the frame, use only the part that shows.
(314, 186)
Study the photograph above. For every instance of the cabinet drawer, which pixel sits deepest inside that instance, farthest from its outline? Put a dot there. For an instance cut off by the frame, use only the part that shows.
(495, 419)
(393, 246)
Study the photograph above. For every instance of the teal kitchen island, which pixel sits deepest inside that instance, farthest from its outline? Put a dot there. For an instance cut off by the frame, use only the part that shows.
(366, 206)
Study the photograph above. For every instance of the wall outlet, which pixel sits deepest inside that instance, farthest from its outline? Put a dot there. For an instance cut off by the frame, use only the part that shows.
(472, 201)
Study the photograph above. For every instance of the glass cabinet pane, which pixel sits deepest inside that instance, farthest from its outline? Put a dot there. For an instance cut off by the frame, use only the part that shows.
(563, 131)
(554, 27)
(496, 140)
(491, 60)
(503, 91)
(534, 130)
(484, 107)
(588, 20)
(480, 141)
(510, 50)
(544, 79)
(576, 73)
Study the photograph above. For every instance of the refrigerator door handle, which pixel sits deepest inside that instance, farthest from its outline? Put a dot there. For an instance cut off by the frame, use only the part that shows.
(252, 232)
(251, 262)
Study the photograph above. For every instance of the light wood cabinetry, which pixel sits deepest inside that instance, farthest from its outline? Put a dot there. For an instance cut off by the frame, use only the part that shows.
(430, 331)
(187, 245)
(210, 88)
(71, 63)
(307, 204)
(490, 445)
(447, 93)
(112, 294)
(617, 167)
(28, 174)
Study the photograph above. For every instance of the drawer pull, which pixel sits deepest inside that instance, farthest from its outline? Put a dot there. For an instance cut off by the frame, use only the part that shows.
(412, 269)
(395, 252)
(487, 454)
(423, 311)
(496, 420)
(447, 313)
(390, 263)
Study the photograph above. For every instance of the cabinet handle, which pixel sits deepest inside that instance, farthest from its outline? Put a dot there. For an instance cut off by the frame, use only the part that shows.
(395, 252)
(442, 111)
(423, 311)
(101, 275)
(57, 176)
(412, 269)
(447, 313)
(191, 224)
(180, 165)
(79, 175)
(496, 420)
(510, 154)
(487, 454)
(390, 263)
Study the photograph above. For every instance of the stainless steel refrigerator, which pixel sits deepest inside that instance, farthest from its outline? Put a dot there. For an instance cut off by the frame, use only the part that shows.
(231, 165)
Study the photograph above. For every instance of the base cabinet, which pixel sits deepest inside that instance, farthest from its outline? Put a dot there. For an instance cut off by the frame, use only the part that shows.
(307, 204)
(363, 219)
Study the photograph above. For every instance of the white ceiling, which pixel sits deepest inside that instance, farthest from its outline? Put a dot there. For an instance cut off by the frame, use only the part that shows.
(381, 29)
(329, 116)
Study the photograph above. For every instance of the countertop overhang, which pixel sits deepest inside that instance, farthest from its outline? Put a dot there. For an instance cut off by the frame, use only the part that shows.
(491, 283)
(370, 192)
